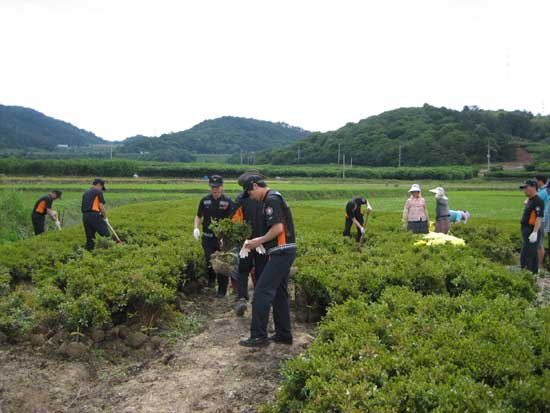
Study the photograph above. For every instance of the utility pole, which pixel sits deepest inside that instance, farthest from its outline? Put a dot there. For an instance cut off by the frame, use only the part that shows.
(399, 163)
(488, 156)
(351, 162)
(111, 152)
(338, 154)
(241, 156)
(343, 166)
(298, 153)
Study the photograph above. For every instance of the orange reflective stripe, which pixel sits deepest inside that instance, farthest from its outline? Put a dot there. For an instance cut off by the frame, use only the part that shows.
(281, 239)
(238, 216)
(41, 207)
(95, 205)
(532, 218)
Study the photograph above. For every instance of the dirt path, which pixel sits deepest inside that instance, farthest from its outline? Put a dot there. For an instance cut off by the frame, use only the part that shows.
(208, 372)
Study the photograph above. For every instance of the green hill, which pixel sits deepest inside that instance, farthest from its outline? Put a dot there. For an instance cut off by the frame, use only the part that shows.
(427, 136)
(225, 135)
(24, 128)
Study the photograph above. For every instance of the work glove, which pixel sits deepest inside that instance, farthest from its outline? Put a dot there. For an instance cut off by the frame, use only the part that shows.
(243, 253)
(196, 234)
(362, 230)
(58, 224)
(261, 250)
(533, 237)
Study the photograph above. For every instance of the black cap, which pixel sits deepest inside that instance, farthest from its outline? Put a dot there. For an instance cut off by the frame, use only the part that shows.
(215, 181)
(242, 179)
(529, 182)
(99, 181)
(248, 184)
(57, 193)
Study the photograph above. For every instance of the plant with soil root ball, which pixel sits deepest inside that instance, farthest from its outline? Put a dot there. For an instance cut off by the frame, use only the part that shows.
(231, 235)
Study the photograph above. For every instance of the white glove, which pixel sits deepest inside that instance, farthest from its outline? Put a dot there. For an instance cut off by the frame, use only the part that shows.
(533, 237)
(243, 253)
(58, 225)
(196, 234)
(362, 230)
(54, 215)
(261, 250)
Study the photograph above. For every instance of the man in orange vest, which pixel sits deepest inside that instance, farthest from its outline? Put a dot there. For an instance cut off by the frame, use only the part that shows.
(43, 207)
(94, 216)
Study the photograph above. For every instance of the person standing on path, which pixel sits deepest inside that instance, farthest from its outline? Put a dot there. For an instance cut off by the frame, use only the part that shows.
(542, 184)
(531, 222)
(213, 206)
(248, 210)
(354, 216)
(94, 216)
(43, 207)
(442, 214)
(272, 287)
(415, 213)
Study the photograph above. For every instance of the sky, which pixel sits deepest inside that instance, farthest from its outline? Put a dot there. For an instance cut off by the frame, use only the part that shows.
(125, 67)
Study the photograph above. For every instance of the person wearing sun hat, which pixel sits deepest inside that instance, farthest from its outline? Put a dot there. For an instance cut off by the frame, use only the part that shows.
(415, 213)
(442, 214)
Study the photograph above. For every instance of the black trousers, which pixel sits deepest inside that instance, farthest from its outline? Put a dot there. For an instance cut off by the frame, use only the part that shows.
(349, 224)
(254, 260)
(529, 258)
(38, 223)
(210, 245)
(272, 290)
(94, 224)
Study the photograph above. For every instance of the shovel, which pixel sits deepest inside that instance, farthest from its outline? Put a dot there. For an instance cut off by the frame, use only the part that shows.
(118, 240)
(362, 239)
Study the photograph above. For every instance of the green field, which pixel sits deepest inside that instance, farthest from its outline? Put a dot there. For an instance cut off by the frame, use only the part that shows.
(405, 328)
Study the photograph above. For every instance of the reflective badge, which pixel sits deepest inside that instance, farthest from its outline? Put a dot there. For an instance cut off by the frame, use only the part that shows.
(207, 202)
(269, 211)
(224, 205)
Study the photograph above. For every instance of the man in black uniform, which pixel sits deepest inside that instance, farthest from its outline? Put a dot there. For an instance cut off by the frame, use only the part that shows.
(355, 216)
(42, 207)
(248, 210)
(280, 243)
(213, 207)
(531, 222)
(94, 216)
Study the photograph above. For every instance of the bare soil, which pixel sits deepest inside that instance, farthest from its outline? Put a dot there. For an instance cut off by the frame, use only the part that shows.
(208, 372)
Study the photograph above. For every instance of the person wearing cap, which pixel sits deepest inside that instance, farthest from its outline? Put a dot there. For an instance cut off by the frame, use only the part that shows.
(272, 287)
(442, 213)
(354, 216)
(459, 216)
(531, 222)
(248, 210)
(43, 207)
(542, 184)
(94, 216)
(213, 206)
(415, 213)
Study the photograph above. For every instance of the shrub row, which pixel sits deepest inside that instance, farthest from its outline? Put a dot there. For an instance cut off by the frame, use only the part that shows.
(118, 168)
(52, 281)
(414, 353)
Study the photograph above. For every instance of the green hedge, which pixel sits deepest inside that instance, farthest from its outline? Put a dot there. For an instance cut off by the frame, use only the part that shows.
(52, 280)
(409, 353)
(122, 168)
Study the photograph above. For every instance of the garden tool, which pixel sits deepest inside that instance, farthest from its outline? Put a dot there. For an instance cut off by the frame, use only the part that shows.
(118, 240)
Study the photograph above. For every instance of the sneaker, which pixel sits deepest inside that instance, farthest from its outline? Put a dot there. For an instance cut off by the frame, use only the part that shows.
(255, 342)
(240, 307)
(280, 340)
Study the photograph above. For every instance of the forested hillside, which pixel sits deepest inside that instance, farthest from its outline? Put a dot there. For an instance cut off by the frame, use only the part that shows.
(24, 128)
(427, 136)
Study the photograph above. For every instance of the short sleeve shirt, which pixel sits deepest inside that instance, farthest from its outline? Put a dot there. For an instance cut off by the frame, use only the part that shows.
(277, 211)
(543, 194)
(91, 200)
(42, 205)
(534, 208)
(213, 209)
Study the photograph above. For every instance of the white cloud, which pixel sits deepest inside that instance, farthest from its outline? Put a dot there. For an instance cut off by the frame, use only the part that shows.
(121, 68)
